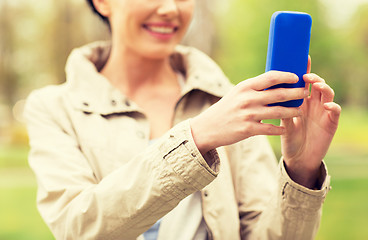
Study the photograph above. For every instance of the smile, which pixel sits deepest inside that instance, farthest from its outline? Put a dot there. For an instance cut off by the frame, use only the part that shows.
(161, 29)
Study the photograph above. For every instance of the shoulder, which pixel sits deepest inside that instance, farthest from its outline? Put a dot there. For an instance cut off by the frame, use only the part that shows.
(46, 94)
(48, 99)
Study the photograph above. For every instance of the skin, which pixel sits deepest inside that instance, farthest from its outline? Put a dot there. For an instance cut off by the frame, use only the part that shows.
(306, 132)
(308, 137)
(139, 67)
(139, 61)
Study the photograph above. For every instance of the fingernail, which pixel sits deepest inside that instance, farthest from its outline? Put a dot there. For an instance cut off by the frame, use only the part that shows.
(306, 92)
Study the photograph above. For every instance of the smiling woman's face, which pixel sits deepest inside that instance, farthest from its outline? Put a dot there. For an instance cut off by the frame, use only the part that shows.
(150, 28)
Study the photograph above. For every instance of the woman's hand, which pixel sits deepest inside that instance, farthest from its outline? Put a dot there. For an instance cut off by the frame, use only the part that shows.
(239, 113)
(308, 137)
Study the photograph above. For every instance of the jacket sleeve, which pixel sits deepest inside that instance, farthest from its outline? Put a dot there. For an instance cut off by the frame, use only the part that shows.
(271, 205)
(125, 203)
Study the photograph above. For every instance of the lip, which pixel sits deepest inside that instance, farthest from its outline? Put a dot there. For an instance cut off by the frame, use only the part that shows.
(162, 31)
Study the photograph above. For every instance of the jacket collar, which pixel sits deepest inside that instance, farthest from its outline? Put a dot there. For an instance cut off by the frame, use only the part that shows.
(90, 91)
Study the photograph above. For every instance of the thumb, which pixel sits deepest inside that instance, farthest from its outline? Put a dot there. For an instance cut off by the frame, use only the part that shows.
(309, 66)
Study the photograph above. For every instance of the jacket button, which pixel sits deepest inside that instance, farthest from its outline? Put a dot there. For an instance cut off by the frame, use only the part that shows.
(205, 193)
(113, 102)
(85, 104)
(127, 103)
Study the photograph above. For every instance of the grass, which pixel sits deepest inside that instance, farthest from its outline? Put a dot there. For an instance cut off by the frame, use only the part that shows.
(344, 213)
(12, 156)
(19, 217)
(345, 209)
(352, 134)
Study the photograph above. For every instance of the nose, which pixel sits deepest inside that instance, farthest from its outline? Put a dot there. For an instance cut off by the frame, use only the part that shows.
(168, 9)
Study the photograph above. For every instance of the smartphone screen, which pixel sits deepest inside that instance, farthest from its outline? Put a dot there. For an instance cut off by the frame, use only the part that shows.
(288, 48)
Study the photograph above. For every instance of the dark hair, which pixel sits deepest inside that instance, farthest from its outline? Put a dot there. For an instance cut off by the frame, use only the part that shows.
(103, 18)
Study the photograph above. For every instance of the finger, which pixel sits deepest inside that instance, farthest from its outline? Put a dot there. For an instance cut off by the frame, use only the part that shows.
(309, 64)
(335, 110)
(282, 94)
(307, 86)
(277, 112)
(312, 78)
(316, 94)
(268, 129)
(272, 78)
(326, 92)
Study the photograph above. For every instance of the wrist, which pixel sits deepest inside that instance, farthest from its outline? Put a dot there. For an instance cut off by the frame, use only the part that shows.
(303, 175)
(200, 137)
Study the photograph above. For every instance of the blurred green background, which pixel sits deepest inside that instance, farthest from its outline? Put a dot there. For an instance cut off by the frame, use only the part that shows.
(37, 36)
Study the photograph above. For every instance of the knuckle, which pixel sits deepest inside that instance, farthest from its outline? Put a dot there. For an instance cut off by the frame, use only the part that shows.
(242, 83)
(278, 114)
(242, 104)
(248, 100)
(273, 79)
(338, 108)
(244, 86)
(272, 76)
(269, 129)
(301, 92)
(246, 130)
(280, 95)
(250, 117)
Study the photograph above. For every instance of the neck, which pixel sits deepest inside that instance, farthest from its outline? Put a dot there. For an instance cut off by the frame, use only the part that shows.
(129, 71)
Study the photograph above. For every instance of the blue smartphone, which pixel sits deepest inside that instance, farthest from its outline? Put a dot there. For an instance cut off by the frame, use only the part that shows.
(288, 48)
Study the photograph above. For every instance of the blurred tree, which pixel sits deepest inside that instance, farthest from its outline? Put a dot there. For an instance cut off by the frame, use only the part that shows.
(68, 29)
(8, 75)
(36, 38)
(355, 59)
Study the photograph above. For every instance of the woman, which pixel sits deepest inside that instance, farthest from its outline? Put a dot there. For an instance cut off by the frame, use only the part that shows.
(148, 139)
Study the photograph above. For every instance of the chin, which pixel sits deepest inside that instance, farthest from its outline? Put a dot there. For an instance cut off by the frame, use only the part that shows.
(158, 52)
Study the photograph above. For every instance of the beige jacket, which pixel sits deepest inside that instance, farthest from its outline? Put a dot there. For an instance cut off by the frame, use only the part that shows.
(99, 178)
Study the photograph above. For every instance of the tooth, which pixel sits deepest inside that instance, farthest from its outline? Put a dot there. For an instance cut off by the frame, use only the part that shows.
(161, 29)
